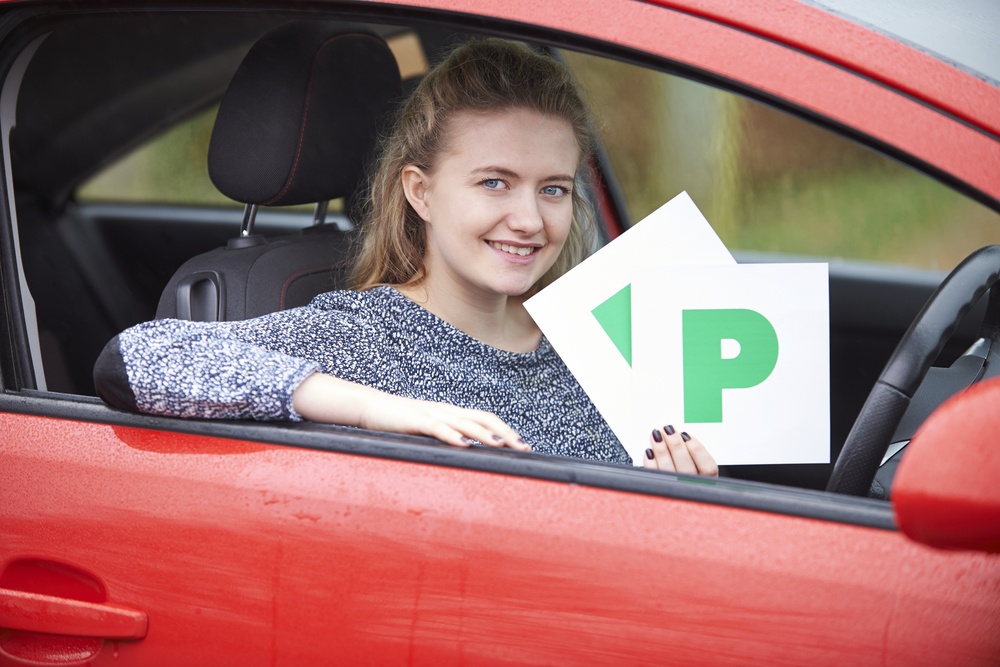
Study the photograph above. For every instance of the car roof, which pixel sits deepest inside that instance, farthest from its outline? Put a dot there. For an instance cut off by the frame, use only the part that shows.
(963, 33)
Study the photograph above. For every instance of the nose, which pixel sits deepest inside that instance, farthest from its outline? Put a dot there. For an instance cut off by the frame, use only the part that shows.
(525, 215)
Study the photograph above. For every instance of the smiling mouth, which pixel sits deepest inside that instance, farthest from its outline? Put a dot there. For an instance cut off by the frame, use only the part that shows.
(513, 250)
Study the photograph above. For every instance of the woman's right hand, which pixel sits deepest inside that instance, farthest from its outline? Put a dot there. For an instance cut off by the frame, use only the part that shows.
(326, 399)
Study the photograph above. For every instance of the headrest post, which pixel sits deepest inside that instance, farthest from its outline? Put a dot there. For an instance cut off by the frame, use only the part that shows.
(249, 215)
(319, 213)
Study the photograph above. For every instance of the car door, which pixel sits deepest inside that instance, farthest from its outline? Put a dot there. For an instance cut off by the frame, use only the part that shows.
(129, 538)
(240, 552)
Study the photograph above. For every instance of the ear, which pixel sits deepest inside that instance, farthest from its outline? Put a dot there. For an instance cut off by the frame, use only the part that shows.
(415, 187)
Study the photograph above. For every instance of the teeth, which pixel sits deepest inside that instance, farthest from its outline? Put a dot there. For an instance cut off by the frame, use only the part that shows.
(512, 249)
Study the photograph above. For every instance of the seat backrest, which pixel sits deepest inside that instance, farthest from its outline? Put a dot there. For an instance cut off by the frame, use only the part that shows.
(296, 125)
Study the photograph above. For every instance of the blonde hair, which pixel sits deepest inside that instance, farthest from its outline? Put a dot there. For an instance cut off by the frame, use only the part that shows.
(485, 75)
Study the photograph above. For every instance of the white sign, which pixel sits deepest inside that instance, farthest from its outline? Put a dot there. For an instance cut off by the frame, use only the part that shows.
(586, 314)
(737, 356)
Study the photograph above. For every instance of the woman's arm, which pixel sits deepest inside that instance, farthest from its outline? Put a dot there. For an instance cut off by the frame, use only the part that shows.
(199, 369)
(324, 398)
(250, 370)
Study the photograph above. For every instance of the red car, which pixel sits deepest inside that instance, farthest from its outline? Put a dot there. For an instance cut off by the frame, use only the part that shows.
(135, 539)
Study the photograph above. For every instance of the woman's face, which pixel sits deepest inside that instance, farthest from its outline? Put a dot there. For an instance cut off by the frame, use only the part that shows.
(498, 203)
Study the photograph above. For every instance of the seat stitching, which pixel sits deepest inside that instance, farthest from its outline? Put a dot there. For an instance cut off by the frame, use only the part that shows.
(305, 114)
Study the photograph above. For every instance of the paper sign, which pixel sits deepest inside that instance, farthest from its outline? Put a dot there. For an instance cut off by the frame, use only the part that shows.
(587, 313)
(737, 356)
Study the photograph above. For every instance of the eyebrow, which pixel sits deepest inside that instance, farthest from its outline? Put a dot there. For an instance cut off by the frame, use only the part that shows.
(513, 174)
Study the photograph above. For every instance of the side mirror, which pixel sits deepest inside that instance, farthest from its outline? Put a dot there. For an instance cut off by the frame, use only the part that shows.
(946, 493)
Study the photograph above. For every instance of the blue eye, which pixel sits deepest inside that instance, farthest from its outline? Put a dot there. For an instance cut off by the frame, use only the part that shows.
(554, 190)
(493, 183)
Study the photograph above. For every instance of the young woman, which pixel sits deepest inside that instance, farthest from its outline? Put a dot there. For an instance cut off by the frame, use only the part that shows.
(474, 207)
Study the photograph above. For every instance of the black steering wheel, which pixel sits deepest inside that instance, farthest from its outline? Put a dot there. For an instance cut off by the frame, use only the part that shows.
(872, 432)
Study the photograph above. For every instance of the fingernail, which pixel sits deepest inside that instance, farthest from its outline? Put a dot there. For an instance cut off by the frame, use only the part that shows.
(497, 438)
(521, 441)
(657, 437)
(668, 429)
(684, 436)
(465, 440)
(649, 453)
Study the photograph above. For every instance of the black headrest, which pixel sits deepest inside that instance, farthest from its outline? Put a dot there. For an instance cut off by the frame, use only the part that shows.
(301, 114)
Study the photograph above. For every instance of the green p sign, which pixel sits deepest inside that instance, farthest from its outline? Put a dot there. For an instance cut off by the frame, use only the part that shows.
(707, 372)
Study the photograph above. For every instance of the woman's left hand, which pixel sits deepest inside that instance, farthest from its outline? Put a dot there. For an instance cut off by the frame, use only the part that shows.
(678, 452)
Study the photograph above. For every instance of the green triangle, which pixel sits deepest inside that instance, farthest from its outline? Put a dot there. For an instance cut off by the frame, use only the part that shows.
(615, 317)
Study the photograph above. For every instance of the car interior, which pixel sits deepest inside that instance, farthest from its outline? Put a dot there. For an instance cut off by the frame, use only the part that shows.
(329, 117)
(96, 87)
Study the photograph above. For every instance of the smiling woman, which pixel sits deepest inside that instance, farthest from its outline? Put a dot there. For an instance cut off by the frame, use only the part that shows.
(474, 207)
(497, 209)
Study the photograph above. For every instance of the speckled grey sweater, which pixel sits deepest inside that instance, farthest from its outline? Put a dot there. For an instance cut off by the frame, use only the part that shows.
(377, 338)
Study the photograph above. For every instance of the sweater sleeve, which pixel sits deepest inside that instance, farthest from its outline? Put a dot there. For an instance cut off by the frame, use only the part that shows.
(111, 379)
(229, 370)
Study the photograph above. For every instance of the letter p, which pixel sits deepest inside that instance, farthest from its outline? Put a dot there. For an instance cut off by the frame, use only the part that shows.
(707, 373)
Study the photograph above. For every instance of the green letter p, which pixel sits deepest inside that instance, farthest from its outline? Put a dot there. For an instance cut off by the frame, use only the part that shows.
(707, 372)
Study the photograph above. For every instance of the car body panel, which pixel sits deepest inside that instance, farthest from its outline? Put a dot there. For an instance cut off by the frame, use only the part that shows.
(259, 553)
(858, 49)
(246, 552)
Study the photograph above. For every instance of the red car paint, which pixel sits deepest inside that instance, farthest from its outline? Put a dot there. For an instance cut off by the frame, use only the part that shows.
(858, 49)
(245, 553)
(353, 560)
(925, 509)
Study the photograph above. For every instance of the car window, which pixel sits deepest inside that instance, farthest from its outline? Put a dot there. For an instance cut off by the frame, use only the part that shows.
(97, 257)
(770, 182)
(172, 167)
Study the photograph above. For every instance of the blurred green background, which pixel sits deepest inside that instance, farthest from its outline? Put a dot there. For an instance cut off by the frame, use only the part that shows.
(171, 169)
(766, 180)
(770, 182)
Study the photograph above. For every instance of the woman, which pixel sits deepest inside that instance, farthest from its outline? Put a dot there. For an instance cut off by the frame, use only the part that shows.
(474, 207)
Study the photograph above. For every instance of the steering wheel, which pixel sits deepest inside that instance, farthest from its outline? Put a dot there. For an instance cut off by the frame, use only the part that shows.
(872, 432)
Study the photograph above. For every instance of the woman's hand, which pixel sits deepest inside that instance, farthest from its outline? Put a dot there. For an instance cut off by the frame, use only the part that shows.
(678, 452)
(326, 399)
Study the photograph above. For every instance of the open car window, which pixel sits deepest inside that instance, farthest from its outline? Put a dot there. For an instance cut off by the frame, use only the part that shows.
(100, 243)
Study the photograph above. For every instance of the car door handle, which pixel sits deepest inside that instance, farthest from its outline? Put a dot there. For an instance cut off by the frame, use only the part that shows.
(33, 612)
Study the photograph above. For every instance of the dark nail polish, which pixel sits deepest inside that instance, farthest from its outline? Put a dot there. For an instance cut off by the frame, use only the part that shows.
(498, 438)
(684, 436)
(656, 436)
(521, 441)
(465, 440)
(668, 429)
(649, 454)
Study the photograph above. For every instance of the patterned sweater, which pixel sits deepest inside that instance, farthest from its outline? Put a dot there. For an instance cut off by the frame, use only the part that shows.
(378, 338)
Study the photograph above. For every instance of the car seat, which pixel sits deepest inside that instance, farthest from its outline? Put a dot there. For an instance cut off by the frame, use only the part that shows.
(295, 126)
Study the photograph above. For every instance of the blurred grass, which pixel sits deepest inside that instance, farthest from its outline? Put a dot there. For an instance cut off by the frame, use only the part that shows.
(769, 181)
(875, 213)
(170, 168)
